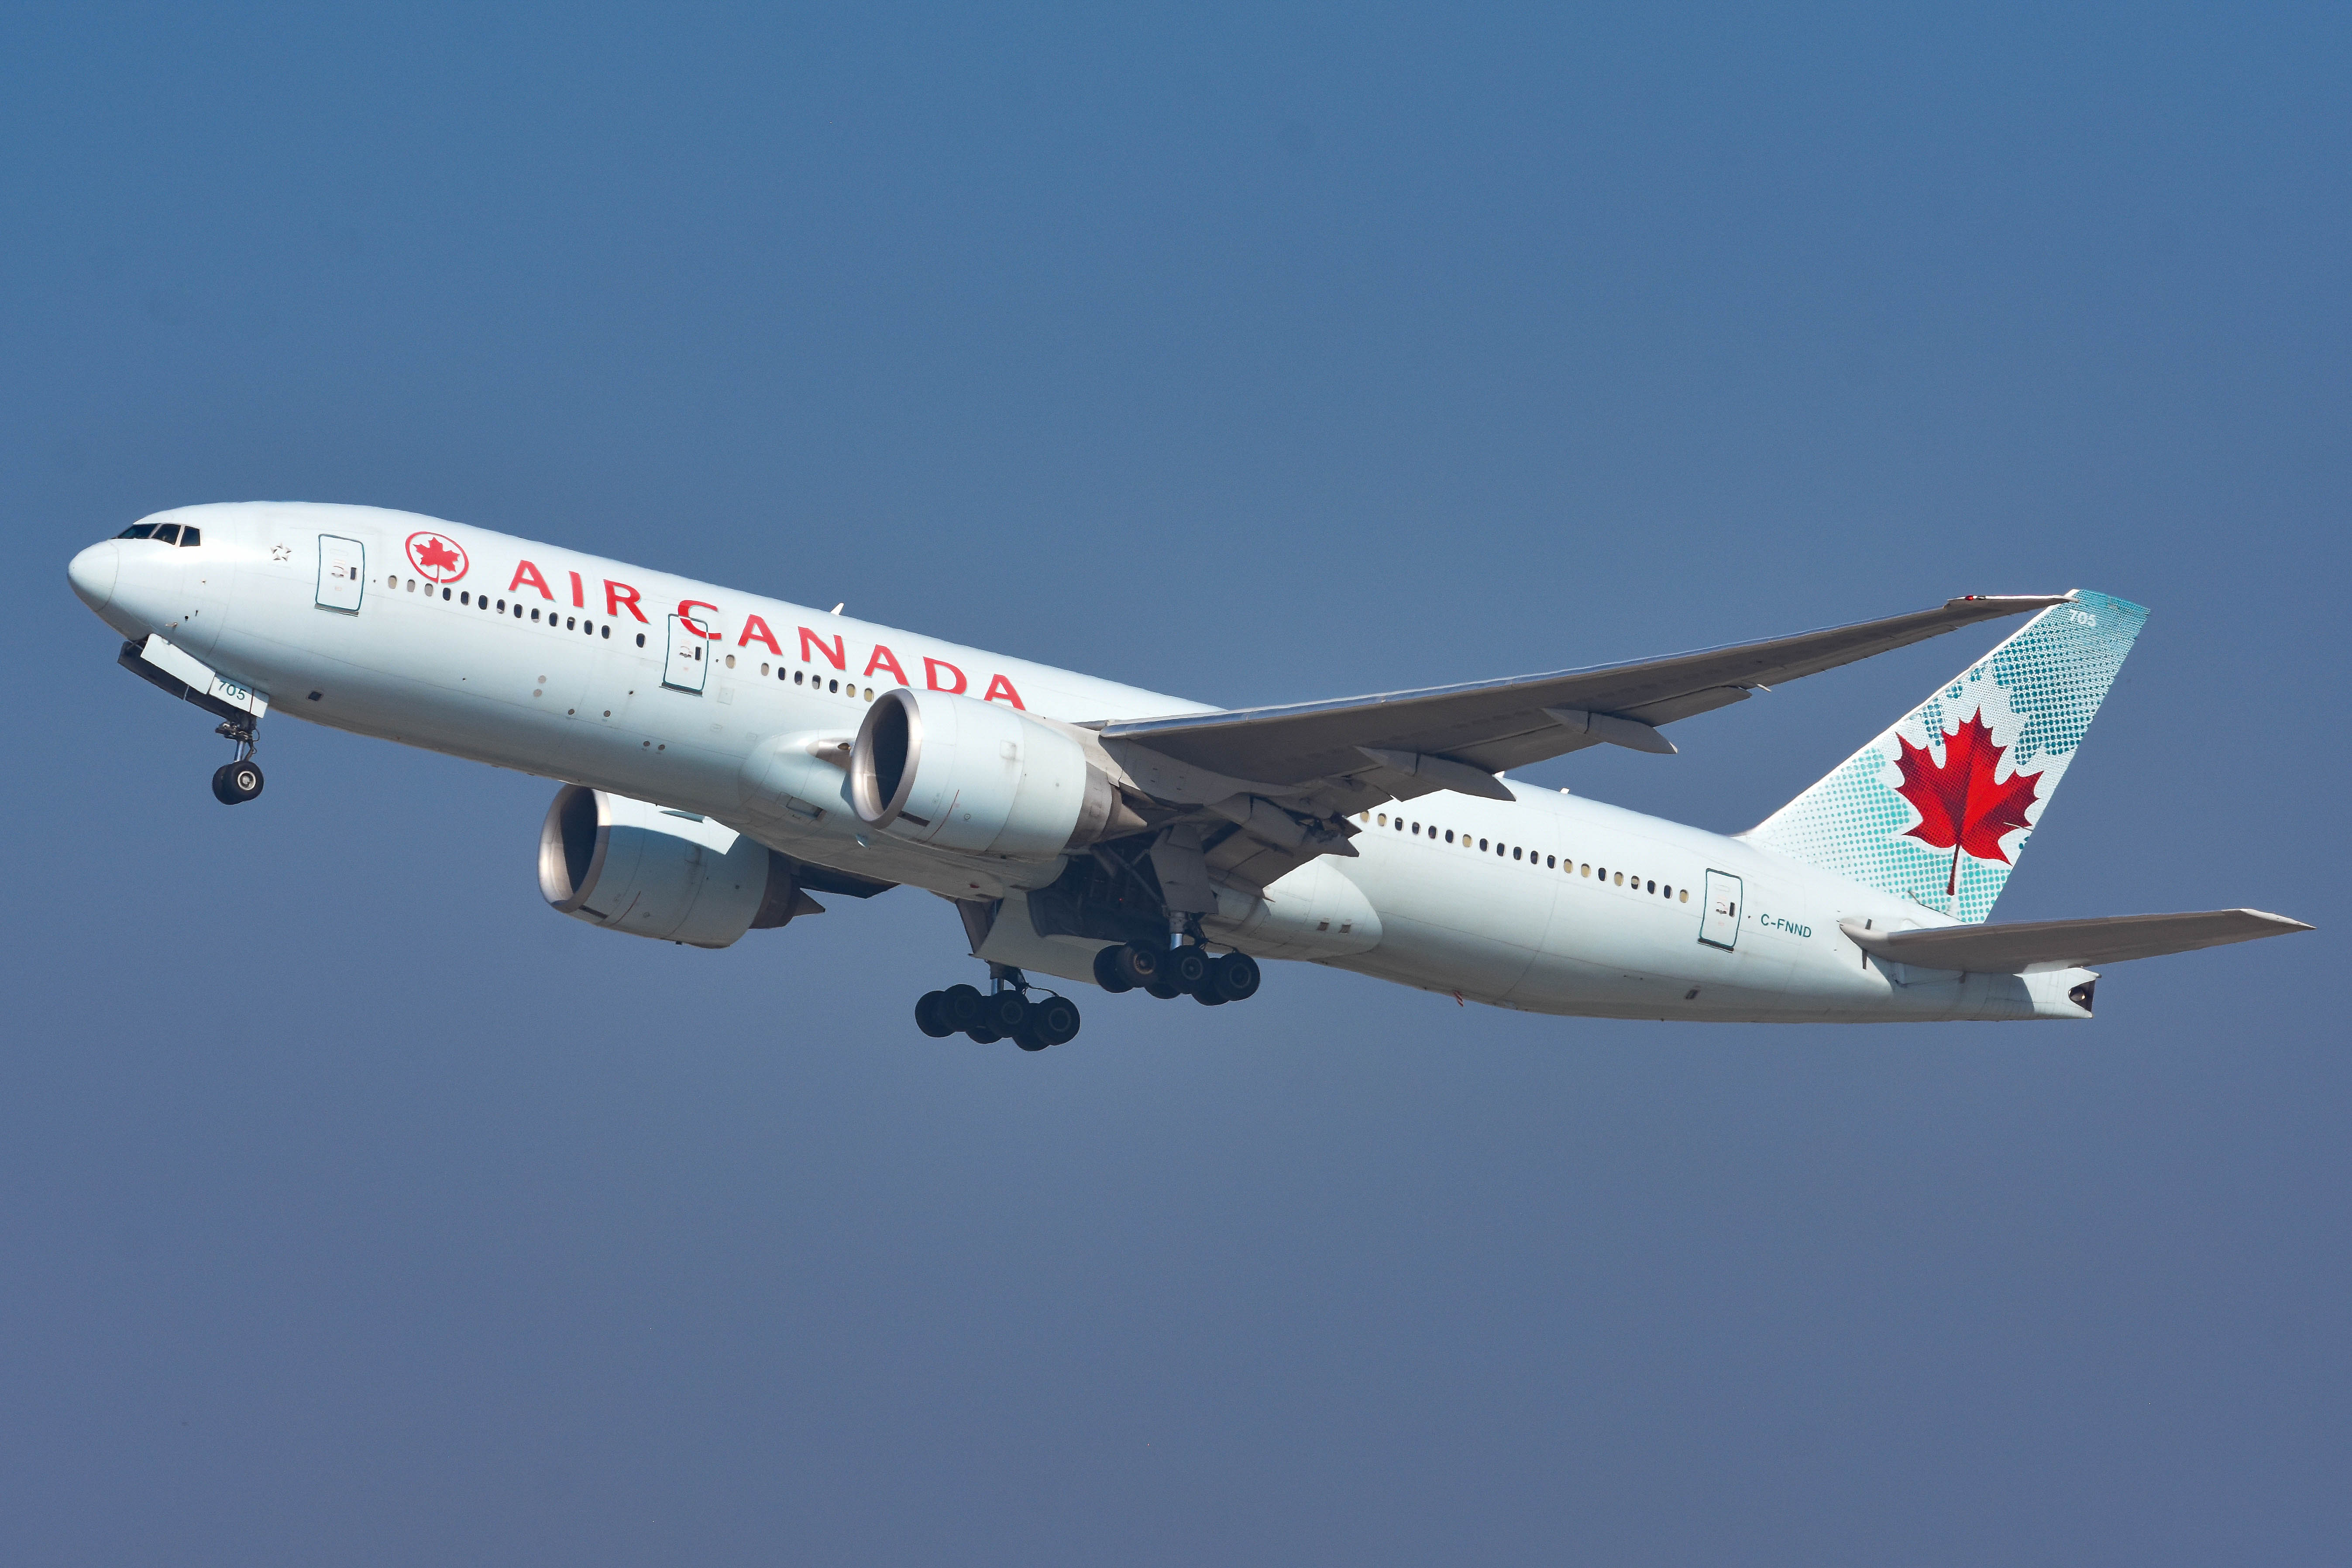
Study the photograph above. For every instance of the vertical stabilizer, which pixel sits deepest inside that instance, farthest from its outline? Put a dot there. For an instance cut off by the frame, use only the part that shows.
(1938, 807)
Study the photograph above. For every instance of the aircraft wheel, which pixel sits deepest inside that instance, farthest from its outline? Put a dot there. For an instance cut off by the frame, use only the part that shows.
(1234, 977)
(1054, 1020)
(1140, 963)
(1188, 969)
(980, 1035)
(1108, 972)
(960, 1007)
(1207, 996)
(1162, 987)
(1007, 1013)
(234, 784)
(929, 1016)
(1028, 1041)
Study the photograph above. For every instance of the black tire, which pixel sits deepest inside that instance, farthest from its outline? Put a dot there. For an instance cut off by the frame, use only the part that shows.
(960, 1007)
(982, 1036)
(1054, 1020)
(1140, 963)
(1207, 996)
(234, 784)
(1028, 1041)
(1007, 1013)
(1106, 972)
(1163, 988)
(1234, 977)
(1188, 969)
(929, 1016)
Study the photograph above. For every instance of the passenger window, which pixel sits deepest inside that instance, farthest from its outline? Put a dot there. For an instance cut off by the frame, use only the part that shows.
(412, 584)
(1400, 825)
(1621, 878)
(464, 598)
(1514, 851)
(1416, 829)
(869, 694)
(796, 677)
(1449, 835)
(730, 662)
(167, 533)
(763, 670)
(1650, 887)
(641, 639)
(535, 614)
(833, 685)
(1384, 818)
(605, 632)
(569, 624)
(190, 537)
(1482, 843)
(1551, 861)
(445, 593)
(1684, 895)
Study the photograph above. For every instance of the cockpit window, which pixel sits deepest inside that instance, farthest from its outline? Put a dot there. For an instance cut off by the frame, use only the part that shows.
(137, 530)
(190, 537)
(167, 533)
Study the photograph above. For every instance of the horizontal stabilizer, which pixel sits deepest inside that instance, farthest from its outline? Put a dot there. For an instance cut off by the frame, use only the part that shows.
(2065, 944)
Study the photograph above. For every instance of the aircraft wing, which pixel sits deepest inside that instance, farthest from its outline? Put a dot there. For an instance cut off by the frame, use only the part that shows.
(1402, 744)
(2066, 944)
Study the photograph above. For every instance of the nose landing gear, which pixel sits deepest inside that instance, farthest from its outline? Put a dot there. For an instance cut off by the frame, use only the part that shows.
(236, 782)
(1004, 1011)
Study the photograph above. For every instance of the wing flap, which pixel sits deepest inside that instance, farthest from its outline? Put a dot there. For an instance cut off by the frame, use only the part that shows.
(2066, 944)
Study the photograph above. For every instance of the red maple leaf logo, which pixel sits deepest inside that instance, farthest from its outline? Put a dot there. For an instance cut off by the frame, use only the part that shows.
(434, 556)
(1960, 808)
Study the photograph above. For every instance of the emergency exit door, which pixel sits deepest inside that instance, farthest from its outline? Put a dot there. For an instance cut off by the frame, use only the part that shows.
(688, 666)
(342, 573)
(1718, 926)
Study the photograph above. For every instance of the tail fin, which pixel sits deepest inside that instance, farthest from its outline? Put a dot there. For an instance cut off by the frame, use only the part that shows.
(1939, 806)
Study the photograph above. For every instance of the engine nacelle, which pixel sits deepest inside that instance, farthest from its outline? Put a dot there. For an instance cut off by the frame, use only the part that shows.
(629, 866)
(958, 773)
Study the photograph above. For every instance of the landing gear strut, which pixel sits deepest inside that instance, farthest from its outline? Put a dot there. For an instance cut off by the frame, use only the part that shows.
(236, 782)
(1004, 1011)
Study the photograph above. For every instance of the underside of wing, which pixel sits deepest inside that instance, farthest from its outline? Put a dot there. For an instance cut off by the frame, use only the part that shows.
(1348, 754)
(2066, 944)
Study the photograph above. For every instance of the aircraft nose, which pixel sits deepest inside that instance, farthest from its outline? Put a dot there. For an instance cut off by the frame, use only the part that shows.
(92, 574)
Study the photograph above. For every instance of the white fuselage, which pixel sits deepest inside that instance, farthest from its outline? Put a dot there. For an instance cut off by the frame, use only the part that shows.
(552, 662)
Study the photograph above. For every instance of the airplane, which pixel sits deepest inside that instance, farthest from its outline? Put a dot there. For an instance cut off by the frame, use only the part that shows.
(721, 757)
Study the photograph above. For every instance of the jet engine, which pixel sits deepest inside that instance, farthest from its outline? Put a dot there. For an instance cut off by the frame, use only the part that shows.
(958, 773)
(630, 865)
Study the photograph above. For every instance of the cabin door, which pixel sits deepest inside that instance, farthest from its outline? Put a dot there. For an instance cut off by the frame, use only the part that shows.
(688, 666)
(1719, 925)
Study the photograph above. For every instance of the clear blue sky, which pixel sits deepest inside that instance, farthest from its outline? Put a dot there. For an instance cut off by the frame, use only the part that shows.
(358, 1209)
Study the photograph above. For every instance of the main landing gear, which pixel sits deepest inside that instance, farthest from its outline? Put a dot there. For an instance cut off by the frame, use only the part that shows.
(1169, 973)
(236, 782)
(1004, 1011)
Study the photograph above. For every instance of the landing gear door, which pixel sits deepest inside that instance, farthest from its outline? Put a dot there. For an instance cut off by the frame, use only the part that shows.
(342, 573)
(688, 666)
(1718, 925)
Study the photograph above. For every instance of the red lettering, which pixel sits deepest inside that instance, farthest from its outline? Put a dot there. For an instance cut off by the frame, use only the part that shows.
(685, 604)
(617, 594)
(526, 573)
(579, 602)
(999, 685)
(882, 659)
(931, 668)
(837, 653)
(756, 630)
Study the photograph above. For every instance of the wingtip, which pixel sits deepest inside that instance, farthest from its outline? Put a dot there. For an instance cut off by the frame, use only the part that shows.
(2288, 923)
(2009, 604)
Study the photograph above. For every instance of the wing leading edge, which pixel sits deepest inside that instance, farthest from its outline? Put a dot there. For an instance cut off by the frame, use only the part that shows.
(1402, 744)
